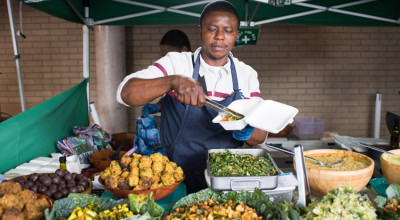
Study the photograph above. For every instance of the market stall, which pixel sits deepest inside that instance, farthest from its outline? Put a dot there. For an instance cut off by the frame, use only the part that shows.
(139, 186)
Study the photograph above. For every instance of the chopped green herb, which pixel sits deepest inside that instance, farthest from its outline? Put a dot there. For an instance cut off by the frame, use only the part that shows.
(228, 164)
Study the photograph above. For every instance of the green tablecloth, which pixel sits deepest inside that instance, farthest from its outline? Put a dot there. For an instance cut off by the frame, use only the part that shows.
(167, 203)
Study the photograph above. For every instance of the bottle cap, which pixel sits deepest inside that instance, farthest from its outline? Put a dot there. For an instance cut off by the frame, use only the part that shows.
(63, 159)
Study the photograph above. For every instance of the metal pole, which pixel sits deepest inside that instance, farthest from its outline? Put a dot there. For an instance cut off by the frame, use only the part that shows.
(378, 104)
(16, 54)
(86, 64)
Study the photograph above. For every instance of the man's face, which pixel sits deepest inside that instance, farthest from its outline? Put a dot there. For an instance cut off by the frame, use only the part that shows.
(218, 33)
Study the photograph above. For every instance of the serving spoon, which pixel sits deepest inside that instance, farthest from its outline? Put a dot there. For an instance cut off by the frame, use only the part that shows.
(335, 164)
(375, 148)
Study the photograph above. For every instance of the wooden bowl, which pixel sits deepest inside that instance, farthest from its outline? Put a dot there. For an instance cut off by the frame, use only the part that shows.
(322, 181)
(98, 159)
(390, 171)
(158, 193)
(283, 133)
(119, 137)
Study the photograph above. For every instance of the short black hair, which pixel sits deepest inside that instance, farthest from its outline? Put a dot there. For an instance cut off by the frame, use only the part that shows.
(220, 6)
(175, 38)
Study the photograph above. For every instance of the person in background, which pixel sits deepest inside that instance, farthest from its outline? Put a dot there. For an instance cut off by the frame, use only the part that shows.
(185, 80)
(172, 41)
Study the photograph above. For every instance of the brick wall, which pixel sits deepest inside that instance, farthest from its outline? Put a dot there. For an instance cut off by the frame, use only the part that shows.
(51, 58)
(332, 73)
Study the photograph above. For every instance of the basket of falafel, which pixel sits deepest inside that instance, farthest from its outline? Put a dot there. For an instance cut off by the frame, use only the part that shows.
(142, 174)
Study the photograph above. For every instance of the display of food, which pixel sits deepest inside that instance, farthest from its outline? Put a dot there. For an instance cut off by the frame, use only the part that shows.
(351, 162)
(214, 210)
(55, 185)
(341, 203)
(393, 205)
(87, 206)
(233, 164)
(321, 180)
(140, 172)
(212, 204)
(93, 211)
(18, 203)
(390, 205)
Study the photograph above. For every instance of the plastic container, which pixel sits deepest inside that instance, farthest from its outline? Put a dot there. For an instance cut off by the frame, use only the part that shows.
(267, 115)
(281, 194)
(379, 185)
(308, 128)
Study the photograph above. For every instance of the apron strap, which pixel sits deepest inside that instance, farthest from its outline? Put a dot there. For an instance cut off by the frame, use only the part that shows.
(201, 79)
(202, 82)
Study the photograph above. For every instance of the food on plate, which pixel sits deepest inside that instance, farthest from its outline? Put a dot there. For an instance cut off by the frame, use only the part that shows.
(231, 164)
(230, 117)
(214, 210)
(341, 203)
(56, 185)
(141, 172)
(18, 203)
(351, 162)
(92, 211)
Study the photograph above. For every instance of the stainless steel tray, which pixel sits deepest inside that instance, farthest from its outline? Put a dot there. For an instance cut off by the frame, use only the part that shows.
(237, 183)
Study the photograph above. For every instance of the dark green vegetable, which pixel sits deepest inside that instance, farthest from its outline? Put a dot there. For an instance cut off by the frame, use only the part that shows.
(228, 164)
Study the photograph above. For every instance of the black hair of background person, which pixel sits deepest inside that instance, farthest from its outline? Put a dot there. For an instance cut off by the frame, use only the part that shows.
(220, 6)
(177, 39)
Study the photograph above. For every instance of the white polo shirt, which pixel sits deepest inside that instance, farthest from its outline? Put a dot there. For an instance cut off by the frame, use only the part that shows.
(218, 79)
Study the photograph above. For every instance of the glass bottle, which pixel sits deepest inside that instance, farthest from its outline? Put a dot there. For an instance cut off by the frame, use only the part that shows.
(63, 163)
(394, 136)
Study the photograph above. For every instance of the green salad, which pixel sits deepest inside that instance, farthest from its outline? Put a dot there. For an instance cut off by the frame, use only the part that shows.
(341, 203)
(230, 164)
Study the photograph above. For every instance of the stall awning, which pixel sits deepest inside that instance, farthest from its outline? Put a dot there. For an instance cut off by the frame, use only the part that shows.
(154, 12)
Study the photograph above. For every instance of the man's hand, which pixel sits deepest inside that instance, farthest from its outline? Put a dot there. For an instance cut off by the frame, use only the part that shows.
(188, 91)
(244, 134)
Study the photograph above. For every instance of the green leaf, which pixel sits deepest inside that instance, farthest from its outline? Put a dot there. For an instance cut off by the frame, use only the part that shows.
(200, 196)
(64, 207)
(380, 201)
(145, 205)
(393, 191)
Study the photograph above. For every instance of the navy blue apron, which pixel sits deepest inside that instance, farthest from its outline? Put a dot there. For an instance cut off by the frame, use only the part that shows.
(187, 132)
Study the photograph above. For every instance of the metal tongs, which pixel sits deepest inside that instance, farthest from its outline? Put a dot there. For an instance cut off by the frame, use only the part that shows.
(223, 110)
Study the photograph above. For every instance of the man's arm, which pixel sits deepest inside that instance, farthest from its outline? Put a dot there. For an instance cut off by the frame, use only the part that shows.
(137, 92)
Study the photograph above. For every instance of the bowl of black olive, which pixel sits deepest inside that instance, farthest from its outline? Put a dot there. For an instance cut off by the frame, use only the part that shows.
(56, 185)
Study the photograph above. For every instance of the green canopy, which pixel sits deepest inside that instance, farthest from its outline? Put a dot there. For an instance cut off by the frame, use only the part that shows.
(254, 12)
(35, 132)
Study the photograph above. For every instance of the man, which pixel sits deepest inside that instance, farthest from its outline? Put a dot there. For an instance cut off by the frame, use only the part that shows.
(172, 41)
(187, 131)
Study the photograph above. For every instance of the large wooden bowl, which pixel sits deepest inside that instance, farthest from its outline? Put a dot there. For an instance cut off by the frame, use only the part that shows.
(158, 193)
(322, 181)
(390, 171)
(98, 159)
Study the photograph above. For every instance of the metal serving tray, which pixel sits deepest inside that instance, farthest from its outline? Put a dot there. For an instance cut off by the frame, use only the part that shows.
(237, 183)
